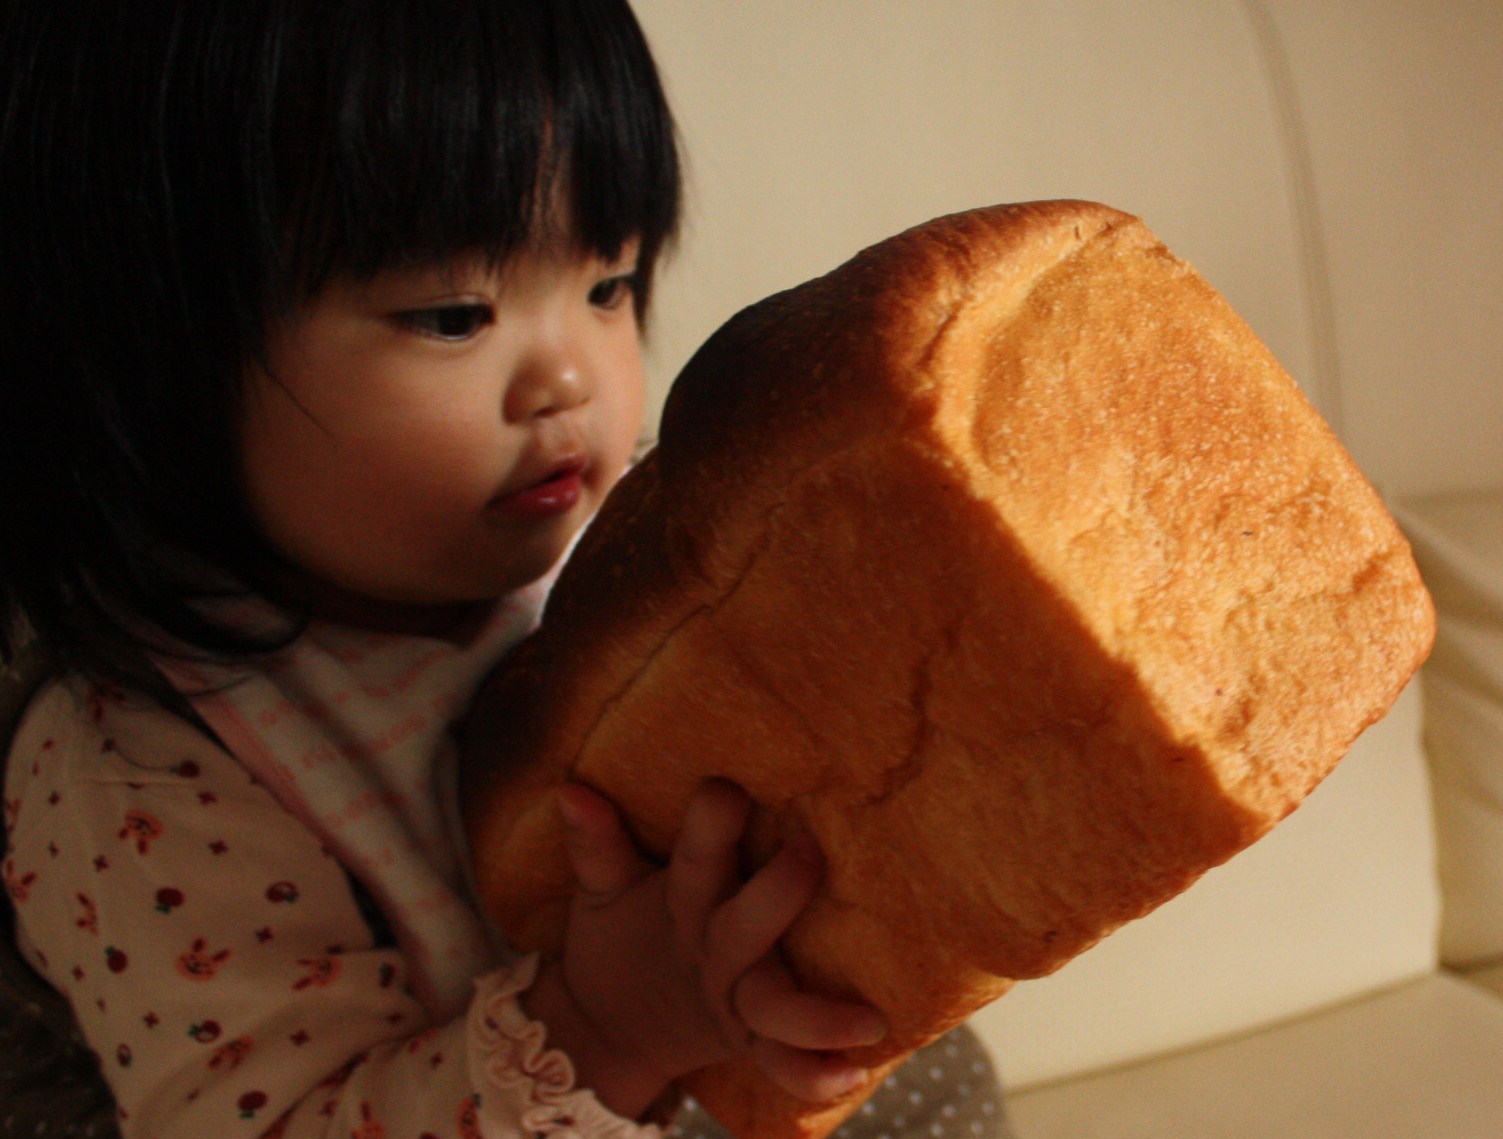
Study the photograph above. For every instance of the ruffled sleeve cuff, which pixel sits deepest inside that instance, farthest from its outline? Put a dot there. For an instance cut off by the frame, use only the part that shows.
(524, 1087)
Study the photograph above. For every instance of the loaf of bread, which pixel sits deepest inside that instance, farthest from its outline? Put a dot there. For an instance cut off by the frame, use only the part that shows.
(1006, 561)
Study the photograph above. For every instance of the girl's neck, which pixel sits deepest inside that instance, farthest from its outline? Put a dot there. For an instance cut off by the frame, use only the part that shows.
(455, 621)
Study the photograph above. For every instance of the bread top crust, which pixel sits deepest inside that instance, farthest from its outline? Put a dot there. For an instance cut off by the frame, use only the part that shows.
(849, 354)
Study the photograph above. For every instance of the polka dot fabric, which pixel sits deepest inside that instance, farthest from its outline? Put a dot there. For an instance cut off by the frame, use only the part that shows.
(948, 1090)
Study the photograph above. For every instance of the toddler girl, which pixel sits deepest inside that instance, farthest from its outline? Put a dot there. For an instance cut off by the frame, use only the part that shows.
(319, 328)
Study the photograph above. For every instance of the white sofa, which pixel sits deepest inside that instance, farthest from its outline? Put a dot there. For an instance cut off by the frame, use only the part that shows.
(1334, 167)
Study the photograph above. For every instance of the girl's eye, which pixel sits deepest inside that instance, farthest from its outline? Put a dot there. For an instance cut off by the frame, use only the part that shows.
(613, 292)
(453, 322)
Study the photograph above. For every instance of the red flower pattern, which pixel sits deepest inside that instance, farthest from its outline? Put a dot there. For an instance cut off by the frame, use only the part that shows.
(199, 963)
(143, 829)
(322, 972)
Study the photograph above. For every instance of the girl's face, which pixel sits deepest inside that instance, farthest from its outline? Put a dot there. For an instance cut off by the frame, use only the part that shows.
(436, 437)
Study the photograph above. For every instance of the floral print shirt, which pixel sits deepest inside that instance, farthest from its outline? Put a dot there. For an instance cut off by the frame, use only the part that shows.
(202, 910)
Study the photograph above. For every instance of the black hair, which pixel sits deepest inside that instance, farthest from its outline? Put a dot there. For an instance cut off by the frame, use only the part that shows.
(174, 175)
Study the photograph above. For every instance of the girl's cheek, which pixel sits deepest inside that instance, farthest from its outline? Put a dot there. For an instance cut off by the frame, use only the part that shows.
(452, 451)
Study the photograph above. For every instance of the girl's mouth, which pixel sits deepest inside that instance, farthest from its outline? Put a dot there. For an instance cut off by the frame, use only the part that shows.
(557, 492)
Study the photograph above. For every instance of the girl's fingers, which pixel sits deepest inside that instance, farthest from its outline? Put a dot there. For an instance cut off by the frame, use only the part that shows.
(604, 857)
(735, 932)
(770, 1004)
(706, 863)
(748, 926)
(812, 1076)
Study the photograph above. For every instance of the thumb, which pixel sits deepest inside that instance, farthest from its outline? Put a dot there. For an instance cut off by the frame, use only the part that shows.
(604, 858)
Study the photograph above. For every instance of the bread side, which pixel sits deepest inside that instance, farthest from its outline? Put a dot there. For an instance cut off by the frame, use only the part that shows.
(1003, 559)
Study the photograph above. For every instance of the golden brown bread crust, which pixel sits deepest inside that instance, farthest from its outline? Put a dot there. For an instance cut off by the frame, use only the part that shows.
(1004, 559)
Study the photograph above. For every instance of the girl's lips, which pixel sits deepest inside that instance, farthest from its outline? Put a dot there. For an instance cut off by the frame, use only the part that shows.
(557, 492)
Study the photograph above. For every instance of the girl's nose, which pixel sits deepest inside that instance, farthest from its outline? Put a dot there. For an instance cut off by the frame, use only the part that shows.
(552, 378)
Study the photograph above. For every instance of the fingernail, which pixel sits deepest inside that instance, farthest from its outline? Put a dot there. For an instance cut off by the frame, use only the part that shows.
(876, 1030)
(850, 1081)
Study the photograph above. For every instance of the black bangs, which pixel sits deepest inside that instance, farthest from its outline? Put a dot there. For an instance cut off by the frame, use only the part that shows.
(409, 131)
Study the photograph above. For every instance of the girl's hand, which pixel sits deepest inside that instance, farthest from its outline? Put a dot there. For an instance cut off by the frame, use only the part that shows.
(668, 970)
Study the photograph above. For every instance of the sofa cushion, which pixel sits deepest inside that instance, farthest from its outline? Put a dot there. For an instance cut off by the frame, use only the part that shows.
(1458, 541)
(1489, 977)
(1338, 901)
(1421, 1059)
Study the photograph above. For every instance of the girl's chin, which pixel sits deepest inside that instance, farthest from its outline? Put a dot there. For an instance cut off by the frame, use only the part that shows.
(431, 600)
